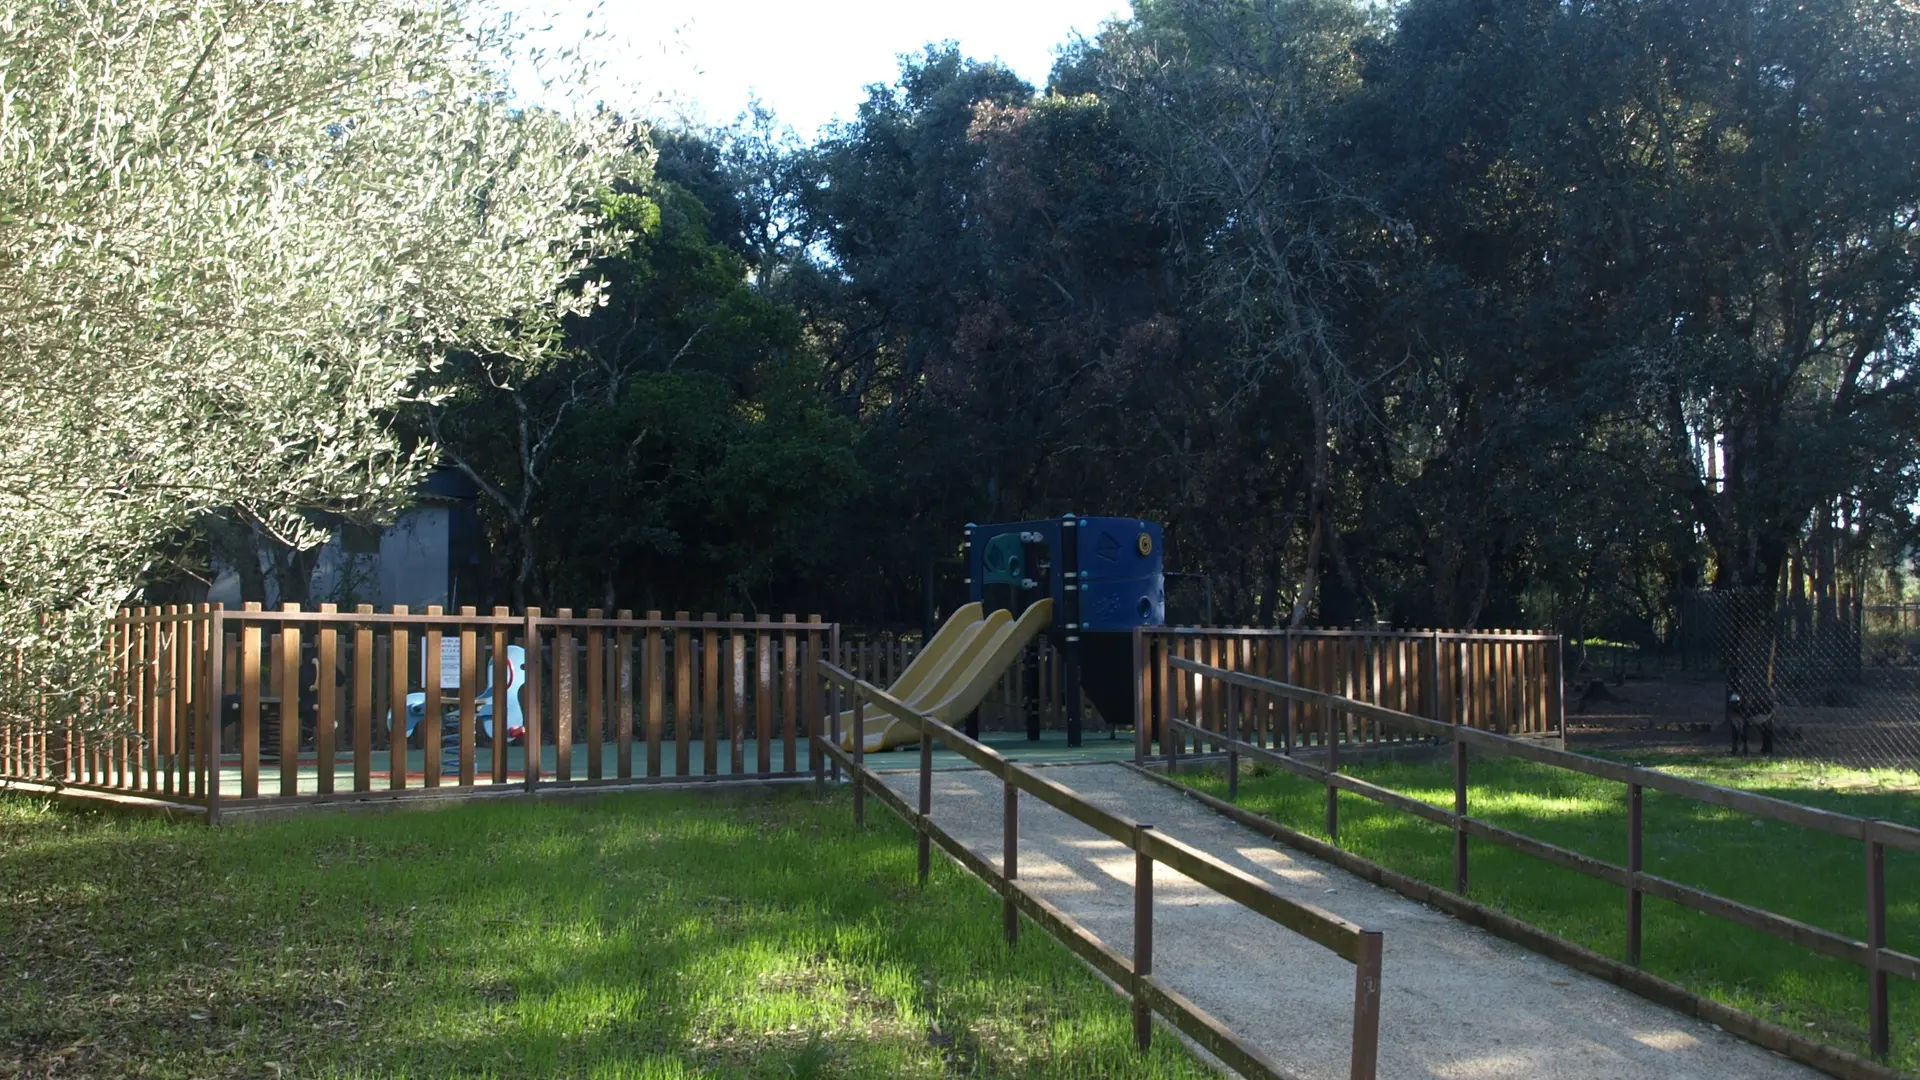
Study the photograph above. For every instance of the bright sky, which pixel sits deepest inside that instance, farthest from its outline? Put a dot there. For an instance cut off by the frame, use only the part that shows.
(809, 60)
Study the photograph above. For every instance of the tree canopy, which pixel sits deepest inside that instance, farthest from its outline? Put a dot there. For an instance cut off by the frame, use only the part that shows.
(1449, 312)
(236, 235)
(1455, 313)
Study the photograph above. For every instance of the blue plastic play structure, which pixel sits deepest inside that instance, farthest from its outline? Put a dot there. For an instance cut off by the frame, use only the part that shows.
(1106, 576)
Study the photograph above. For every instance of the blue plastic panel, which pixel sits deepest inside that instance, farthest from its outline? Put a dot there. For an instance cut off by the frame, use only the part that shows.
(1120, 561)
(1122, 585)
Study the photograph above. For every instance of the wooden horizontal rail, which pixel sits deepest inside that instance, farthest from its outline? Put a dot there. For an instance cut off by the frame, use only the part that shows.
(1746, 802)
(126, 618)
(1331, 932)
(1210, 1034)
(1216, 1038)
(1872, 954)
(1823, 1057)
(1281, 632)
(1430, 812)
(1553, 853)
(514, 621)
(1338, 935)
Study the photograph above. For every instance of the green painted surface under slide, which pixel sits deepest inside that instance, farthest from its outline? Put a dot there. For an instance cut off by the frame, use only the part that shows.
(1051, 749)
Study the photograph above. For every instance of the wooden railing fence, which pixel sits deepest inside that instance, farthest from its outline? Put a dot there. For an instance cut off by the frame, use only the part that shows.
(1500, 681)
(1875, 835)
(1134, 976)
(229, 708)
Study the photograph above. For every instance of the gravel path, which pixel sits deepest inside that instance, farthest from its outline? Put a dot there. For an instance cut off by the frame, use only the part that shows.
(1457, 1003)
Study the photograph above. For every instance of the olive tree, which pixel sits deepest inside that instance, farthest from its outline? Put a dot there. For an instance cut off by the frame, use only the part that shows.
(236, 236)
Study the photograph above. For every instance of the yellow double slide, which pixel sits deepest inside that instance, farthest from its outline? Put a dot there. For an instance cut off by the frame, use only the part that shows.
(953, 674)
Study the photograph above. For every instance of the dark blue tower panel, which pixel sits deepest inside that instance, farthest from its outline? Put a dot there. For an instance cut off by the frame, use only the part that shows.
(1122, 583)
(1106, 576)
(1117, 565)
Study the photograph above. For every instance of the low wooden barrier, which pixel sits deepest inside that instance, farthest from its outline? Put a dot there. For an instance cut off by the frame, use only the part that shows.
(204, 698)
(1134, 976)
(1876, 836)
(1502, 681)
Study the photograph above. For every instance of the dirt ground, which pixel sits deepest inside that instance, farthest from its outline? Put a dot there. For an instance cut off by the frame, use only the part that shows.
(1671, 715)
(1874, 722)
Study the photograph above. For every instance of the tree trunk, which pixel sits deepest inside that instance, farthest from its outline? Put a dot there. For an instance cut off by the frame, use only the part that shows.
(1310, 576)
(1318, 498)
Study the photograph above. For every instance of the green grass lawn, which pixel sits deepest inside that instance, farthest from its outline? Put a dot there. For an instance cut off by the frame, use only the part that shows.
(1807, 875)
(631, 936)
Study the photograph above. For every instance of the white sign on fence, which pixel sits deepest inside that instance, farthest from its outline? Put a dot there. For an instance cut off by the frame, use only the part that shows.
(449, 663)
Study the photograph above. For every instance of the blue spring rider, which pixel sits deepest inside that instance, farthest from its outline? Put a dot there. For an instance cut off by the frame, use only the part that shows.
(483, 711)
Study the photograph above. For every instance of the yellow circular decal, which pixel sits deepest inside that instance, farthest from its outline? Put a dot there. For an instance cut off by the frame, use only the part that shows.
(1146, 544)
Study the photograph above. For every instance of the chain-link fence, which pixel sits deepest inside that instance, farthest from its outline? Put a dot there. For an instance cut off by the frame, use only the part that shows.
(1824, 677)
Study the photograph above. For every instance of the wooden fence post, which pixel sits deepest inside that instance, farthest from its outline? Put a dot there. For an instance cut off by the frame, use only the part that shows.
(1009, 854)
(711, 696)
(1463, 681)
(682, 697)
(530, 741)
(1142, 937)
(926, 804)
(1435, 708)
(250, 705)
(624, 688)
(563, 674)
(1634, 834)
(469, 697)
(1333, 766)
(1556, 690)
(326, 700)
(1286, 676)
(593, 739)
(1460, 817)
(763, 699)
(1233, 741)
(290, 703)
(397, 702)
(432, 723)
(656, 692)
(834, 700)
(737, 694)
(1165, 675)
(1878, 1035)
(363, 646)
(817, 704)
(1365, 1059)
(211, 710)
(812, 701)
(790, 694)
(859, 758)
(503, 690)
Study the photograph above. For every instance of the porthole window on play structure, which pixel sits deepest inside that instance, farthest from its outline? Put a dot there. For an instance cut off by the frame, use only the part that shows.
(1016, 569)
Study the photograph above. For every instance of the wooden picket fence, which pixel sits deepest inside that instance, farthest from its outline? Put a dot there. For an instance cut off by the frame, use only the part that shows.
(227, 709)
(654, 698)
(1506, 682)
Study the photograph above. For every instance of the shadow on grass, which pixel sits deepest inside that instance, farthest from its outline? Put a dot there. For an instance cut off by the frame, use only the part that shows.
(645, 935)
(1802, 874)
